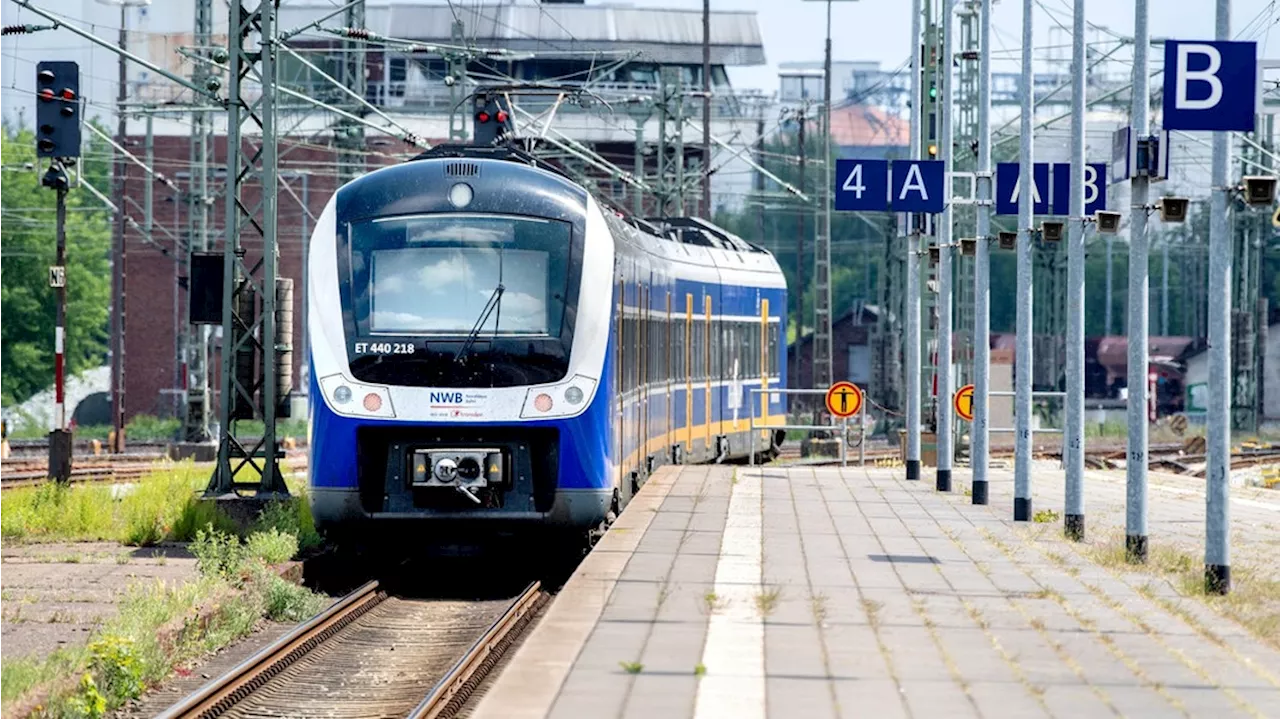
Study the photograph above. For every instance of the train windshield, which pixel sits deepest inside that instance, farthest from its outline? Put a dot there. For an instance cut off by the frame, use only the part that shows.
(461, 299)
(445, 275)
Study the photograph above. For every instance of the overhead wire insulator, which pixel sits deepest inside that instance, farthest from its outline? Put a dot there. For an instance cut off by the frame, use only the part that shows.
(358, 33)
(25, 29)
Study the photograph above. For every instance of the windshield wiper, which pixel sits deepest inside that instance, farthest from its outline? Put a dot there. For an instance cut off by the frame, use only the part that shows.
(494, 300)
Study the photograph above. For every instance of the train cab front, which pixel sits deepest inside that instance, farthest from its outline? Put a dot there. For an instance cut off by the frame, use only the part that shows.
(455, 365)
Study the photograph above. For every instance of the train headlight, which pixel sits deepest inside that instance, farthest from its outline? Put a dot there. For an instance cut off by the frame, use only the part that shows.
(460, 195)
(342, 394)
(541, 402)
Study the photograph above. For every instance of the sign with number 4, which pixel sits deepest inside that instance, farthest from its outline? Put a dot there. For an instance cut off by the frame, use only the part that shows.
(863, 185)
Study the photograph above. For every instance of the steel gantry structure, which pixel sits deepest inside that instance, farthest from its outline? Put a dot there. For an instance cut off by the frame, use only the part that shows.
(256, 358)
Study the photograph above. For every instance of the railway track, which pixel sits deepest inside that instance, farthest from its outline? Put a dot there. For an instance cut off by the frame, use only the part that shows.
(371, 654)
(117, 468)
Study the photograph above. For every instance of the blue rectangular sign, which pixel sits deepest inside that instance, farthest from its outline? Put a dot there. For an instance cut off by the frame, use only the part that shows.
(1007, 187)
(1095, 188)
(1210, 85)
(918, 186)
(862, 185)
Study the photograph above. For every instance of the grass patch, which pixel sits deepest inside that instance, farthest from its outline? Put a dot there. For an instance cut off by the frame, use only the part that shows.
(699, 669)
(631, 667)
(163, 505)
(1045, 516)
(767, 600)
(161, 626)
(713, 602)
(1254, 601)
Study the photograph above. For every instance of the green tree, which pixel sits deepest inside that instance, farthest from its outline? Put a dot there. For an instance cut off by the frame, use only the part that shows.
(27, 251)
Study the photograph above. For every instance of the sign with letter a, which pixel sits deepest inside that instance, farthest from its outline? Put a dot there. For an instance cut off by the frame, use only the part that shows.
(1007, 188)
(1210, 85)
(918, 186)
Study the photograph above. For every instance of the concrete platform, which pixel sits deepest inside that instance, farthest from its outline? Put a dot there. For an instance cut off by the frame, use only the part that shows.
(821, 592)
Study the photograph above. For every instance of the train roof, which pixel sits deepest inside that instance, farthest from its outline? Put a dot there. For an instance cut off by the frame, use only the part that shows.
(686, 230)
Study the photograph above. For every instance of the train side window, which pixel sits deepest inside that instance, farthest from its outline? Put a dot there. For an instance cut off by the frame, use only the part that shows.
(775, 348)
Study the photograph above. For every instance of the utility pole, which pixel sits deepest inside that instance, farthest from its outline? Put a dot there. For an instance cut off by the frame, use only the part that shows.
(1109, 302)
(1217, 545)
(456, 80)
(249, 335)
(822, 243)
(1023, 367)
(913, 265)
(982, 270)
(945, 354)
(195, 338)
(1073, 439)
(350, 133)
(121, 251)
(706, 109)
(1136, 461)
(800, 251)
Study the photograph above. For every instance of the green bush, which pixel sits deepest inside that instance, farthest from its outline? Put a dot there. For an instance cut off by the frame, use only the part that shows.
(284, 601)
(291, 516)
(88, 702)
(272, 546)
(114, 661)
(218, 554)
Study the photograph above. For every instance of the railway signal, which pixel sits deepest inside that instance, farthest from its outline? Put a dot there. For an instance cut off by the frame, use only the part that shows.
(57, 109)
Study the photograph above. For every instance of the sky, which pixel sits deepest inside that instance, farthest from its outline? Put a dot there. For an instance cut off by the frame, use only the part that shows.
(793, 30)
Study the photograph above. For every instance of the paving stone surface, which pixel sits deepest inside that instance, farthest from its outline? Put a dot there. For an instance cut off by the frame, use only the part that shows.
(851, 592)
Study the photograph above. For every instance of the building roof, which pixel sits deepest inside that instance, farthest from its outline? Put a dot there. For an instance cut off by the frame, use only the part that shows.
(867, 126)
(672, 36)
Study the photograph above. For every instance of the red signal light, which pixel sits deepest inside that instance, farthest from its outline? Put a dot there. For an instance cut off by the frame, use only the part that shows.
(46, 94)
(482, 116)
(68, 94)
(502, 117)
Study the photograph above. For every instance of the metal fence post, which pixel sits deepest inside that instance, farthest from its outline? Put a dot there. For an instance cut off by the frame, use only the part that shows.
(844, 442)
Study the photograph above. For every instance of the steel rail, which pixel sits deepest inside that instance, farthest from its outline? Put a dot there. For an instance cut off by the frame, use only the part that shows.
(453, 690)
(223, 692)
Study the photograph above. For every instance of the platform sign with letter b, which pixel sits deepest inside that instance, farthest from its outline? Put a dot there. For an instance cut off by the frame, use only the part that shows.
(1210, 85)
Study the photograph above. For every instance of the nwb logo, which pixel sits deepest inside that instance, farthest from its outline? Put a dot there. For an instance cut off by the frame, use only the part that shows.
(447, 397)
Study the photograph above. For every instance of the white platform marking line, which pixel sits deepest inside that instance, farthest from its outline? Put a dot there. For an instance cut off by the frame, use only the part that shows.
(733, 685)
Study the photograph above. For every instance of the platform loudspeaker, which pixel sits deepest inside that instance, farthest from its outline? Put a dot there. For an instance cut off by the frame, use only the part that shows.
(1108, 221)
(1259, 190)
(1008, 240)
(1173, 209)
(1051, 230)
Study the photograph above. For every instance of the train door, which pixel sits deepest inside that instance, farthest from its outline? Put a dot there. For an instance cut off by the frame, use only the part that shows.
(764, 364)
(667, 375)
(708, 341)
(620, 359)
(688, 373)
(642, 378)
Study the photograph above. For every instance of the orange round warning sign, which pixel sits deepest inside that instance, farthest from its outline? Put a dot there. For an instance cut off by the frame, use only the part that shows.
(844, 399)
(963, 402)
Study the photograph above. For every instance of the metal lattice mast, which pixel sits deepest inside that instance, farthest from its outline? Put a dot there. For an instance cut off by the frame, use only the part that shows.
(249, 346)
(195, 338)
(822, 240)
(349, 133)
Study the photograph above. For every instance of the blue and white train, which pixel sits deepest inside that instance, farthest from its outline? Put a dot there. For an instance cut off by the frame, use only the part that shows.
(489, 344)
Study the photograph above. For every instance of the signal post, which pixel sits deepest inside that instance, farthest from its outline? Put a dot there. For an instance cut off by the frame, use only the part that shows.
(58, 138)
